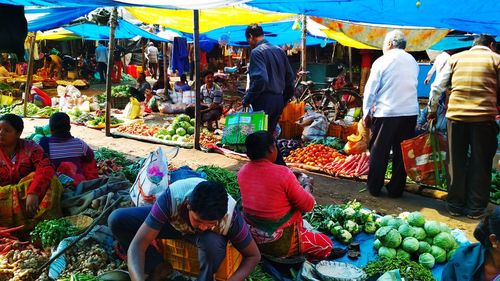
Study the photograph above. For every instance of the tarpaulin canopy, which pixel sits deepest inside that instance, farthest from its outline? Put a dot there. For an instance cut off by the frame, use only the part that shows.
(171, 4)
(451, 42)
(124, 30)
(56, 34)
(372, 36)
(210, 19)
(40, 19)
(480, 16)
(279, 33)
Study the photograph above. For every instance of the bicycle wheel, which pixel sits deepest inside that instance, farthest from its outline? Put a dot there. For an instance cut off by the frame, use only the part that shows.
(337, 104)
(316, 101)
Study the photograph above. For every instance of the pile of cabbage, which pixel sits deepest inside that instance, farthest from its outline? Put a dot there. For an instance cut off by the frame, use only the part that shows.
(40, 132)
(410, 236)
(343, 221)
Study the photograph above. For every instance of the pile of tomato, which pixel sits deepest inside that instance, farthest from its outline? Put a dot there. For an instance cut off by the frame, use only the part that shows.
(314, 155)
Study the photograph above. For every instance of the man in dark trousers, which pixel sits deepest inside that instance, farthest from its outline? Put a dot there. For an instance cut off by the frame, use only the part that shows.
(390, 104)
(271, 79)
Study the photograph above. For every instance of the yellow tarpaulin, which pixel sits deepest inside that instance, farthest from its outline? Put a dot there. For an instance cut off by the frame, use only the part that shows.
(367, 36)
(56, 34)
(210, 19)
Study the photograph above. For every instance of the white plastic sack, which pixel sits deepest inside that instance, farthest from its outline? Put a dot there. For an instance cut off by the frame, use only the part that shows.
(316, 129)
(61, 91)
(151, 180)
(73, 91)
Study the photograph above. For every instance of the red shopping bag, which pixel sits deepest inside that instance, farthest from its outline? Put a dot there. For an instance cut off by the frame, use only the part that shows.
(424, 158)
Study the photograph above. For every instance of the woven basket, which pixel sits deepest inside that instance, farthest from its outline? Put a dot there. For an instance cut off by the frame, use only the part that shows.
(80, 221)
(119, 102)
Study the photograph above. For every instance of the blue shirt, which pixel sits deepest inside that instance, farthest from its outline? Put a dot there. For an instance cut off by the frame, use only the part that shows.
(101, 54)
(270, 73)
(467, 264)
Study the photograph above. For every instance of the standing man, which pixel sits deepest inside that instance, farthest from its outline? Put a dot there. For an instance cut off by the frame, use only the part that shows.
(439, 62)
(472, 108)
(152, 55)
(271, 79)
(390, 106)
(101, 56)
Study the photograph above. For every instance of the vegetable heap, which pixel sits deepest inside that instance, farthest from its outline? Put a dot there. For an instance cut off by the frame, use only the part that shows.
(342, 221)
(32, 110)
(258, 274)
(495, 188)
(352, 166)
(409, 270)
(410, 236)
(333, 142)
(51, 232)
(101, 121)
(139, 129)
(314, 155)
(179, 130)
(40, 132)
(227, 178)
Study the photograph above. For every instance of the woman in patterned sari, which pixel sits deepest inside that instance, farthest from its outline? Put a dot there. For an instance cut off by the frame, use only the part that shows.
(29, 192)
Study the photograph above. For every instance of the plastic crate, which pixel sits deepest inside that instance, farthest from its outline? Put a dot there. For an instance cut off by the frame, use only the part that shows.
(335, 130)
(183, 256)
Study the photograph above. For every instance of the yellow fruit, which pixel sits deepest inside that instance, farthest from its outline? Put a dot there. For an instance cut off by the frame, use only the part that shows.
(354, 138)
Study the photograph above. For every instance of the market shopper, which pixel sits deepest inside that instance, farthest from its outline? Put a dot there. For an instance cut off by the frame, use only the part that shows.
(53, 66)
(3, 71)
(152, 56)
(272, 205)
(30, 190)
(101, 56)
(478, 261)
(271, 79)
(71, 156)
(192, 209)
(439, 62)
(141, 88)
(390, 107)
(182, 85)
(472, 131)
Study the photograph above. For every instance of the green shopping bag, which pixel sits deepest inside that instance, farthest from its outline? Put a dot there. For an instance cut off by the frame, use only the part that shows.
(239, 125)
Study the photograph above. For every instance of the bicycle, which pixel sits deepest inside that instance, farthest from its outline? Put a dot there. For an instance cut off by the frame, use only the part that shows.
(334, 101)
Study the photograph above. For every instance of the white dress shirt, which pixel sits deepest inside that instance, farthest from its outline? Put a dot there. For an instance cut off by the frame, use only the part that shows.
(440, 61)
(391, 89)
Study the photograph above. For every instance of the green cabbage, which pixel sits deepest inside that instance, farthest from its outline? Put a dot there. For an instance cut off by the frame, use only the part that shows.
(395, 223)
(406, 230)
(432, 228)
(445, 228)
(384, 221)
(403, 254)
(385, 252)
(190, 130)
(410, 244)
(180, 132)
(439, 254)
(377, 244)
(416, 219)
(392, 239)
(450, 254)
(444, 240)
(428, 240)
(419, 233)
(381, 232)
(424, 247)
(426, 260)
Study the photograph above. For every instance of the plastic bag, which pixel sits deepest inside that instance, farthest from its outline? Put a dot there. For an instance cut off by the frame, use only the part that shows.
(73, 92)
(316, 129)
(358, 143)
(152, 179)
(133, 109)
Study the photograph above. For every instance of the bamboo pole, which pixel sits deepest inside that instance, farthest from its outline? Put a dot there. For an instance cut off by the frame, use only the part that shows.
(111, 49)
(303, 56)
(29, 78)
(350, 64)
(196, 34)
(165, 74)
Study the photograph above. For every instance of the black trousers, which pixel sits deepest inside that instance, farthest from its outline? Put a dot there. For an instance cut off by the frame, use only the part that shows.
(273, 106)
(471, 146)
(102, 68)
(387, 134)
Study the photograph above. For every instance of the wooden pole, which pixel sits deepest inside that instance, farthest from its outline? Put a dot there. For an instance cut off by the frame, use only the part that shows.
(29, 78)
(196, 34)
(350, 64)
(111, 49)
(165, 74)
(303, 56)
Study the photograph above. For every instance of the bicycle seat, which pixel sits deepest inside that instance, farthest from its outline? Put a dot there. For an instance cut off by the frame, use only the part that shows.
(330, 79)
(307, 83)
(303, 72)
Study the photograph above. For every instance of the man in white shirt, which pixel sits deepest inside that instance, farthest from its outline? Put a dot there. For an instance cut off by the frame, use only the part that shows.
(439, 63)
(390, 108)
(152, 55)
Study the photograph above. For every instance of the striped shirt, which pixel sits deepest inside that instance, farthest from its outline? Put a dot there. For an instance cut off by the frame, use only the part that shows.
(213, 95)
(474, 77)
(67, 149)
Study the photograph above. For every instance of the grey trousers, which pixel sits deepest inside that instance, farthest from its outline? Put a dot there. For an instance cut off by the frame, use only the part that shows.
(125, 222)
(471, 146)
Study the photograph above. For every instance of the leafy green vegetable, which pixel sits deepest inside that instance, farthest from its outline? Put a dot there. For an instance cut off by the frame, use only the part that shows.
(444, 240)
(51, 232)
(385, 252)
(450, 254)
(416, 219)
(416, 271)
(104, 153)
(427, 260)
(377, 244)
(438, 253)
(258, 274)
(410, 244)
(432, 228)
(227, 178)
(424, 247)
(370, 227)
(419, 233)
(400, 253)
(406, 230)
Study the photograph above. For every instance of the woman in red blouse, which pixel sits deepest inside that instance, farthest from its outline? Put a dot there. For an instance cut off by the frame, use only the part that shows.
(28, 189)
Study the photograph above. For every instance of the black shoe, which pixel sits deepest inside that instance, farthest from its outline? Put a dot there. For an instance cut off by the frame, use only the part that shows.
(337, 253)
(452, 211)
(476, 216)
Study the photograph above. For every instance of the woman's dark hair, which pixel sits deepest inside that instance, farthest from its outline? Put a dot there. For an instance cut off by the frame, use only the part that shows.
(489, 225)
(209, 200)
(15, 121)
(206, 73)
(184, 77)
(255, 30)
(257, 144)
(59, 122)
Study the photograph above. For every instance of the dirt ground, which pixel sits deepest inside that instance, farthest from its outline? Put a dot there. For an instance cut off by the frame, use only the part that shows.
(327, 190)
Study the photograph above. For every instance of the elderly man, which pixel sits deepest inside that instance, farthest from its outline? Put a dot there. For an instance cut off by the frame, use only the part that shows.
(152, 55)
(472, 108)
(390, 107)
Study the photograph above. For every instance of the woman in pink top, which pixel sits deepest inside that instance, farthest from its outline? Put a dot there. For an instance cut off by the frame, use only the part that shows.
(273, 201)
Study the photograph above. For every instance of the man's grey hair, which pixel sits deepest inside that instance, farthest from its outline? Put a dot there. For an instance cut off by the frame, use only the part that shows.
(397, 38)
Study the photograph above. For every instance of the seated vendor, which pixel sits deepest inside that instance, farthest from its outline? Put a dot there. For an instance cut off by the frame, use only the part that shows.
(139, 92)
(30, 192)
(71, 156)
(3, 71)
(273, 200)
(182, 85)
(53, 63)
(478, 261)
(211, 95)
(192, 209)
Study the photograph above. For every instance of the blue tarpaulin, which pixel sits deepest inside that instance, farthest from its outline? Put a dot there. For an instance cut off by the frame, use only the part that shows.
(48, 18)
(124, 30)
(480, 16)
(279, 33)
(451, 42)
(171, 4)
